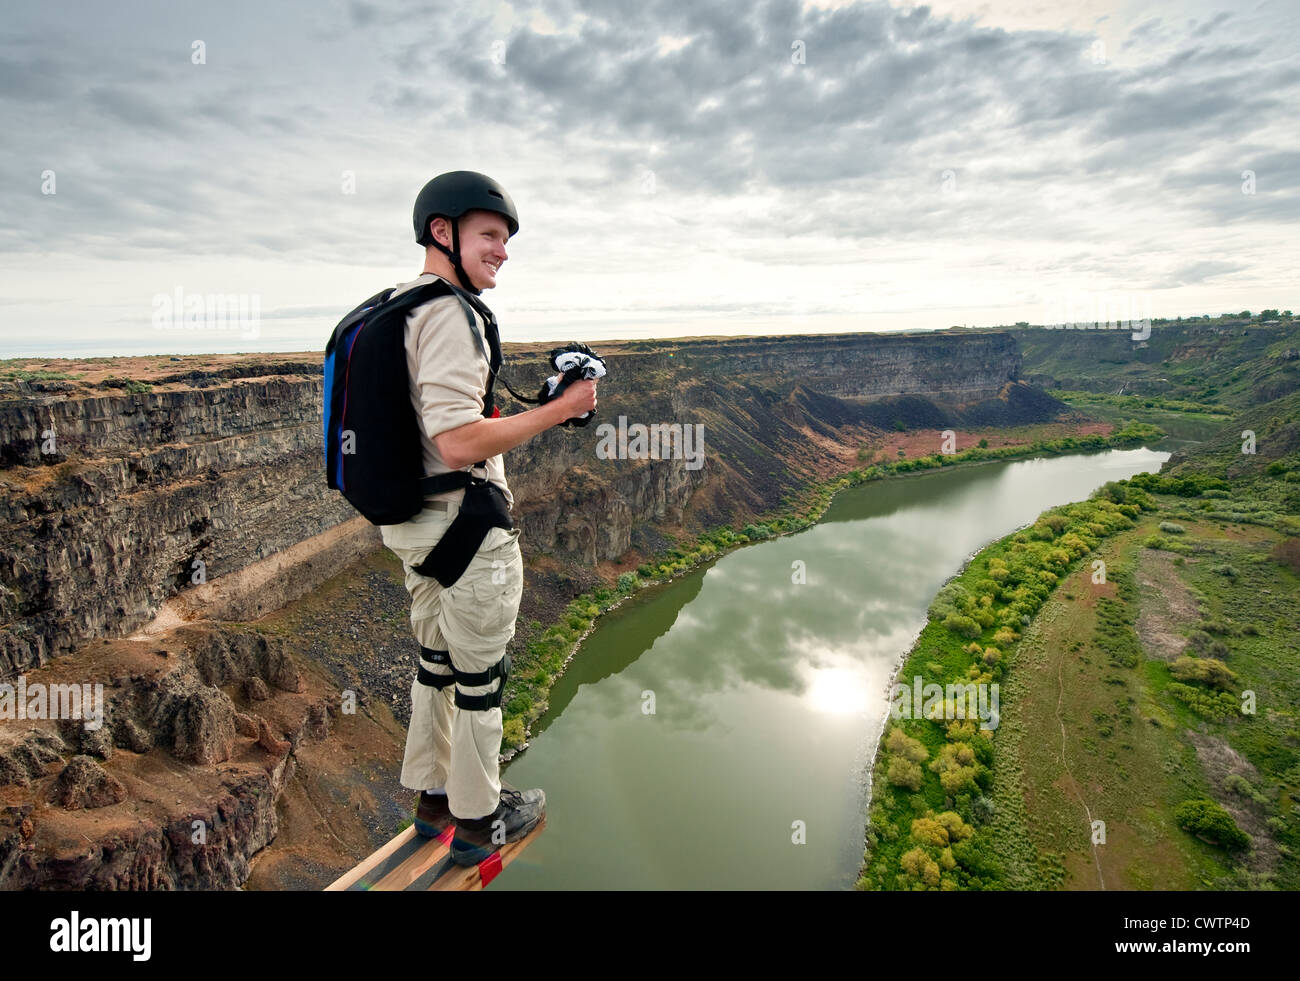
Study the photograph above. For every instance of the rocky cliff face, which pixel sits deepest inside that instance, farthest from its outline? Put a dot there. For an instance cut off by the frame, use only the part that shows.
(113, 500)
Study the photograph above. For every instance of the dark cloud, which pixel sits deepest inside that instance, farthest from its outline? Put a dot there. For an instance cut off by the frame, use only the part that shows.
(1198, 272)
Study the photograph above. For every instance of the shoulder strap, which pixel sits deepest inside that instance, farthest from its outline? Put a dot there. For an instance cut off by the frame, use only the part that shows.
(469, 303)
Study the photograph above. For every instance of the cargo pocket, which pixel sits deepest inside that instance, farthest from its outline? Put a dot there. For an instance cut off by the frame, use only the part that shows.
(497, 588)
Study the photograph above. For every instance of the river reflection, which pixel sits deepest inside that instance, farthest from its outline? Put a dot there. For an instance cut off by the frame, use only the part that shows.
(708, 726)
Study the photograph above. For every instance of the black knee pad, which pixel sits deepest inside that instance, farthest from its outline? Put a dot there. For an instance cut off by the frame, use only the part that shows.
(481, 703)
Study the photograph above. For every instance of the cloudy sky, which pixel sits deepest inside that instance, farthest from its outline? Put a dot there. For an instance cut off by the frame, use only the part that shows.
(680, 168)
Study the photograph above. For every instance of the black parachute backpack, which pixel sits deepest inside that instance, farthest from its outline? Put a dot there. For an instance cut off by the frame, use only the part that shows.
(372, 431)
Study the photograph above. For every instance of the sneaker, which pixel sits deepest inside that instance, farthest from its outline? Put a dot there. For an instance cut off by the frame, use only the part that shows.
(432, 815)
(517, 814)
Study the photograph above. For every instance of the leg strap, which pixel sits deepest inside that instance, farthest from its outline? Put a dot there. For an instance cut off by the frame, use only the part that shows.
(481, 703)
(426, 677)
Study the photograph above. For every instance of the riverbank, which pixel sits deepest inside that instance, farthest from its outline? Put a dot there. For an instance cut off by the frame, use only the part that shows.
(1147, 728)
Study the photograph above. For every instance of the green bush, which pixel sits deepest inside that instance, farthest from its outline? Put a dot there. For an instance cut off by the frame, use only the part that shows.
(1205, 671)
(1210, 705)
(961, 624)
(1170, 528)
(902, 745)
(1206, 819)
(512, 733)
(904, 773)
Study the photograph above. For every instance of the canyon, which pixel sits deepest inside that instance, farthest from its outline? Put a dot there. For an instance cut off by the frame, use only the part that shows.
(157, 512)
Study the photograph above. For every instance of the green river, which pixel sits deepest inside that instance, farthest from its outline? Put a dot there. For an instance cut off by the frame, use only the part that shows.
(717, 732)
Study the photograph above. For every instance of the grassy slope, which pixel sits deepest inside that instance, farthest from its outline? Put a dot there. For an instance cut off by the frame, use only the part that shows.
(1234, 366)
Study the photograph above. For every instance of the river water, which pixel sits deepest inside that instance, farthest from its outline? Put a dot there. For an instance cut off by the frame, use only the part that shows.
(717, 732)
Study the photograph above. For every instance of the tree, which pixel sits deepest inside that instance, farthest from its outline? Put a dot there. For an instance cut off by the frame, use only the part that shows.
(958, 830)
(904, 773)
(1206, 819)
(919, 865)
(955, 768)
(927, 831)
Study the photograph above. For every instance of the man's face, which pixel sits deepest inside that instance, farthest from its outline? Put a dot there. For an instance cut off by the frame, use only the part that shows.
(483, 236)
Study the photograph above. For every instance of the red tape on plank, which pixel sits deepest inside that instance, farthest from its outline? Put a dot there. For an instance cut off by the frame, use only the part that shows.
(490, 867)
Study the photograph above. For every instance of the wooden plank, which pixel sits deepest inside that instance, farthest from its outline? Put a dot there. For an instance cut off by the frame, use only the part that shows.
(466, 879)
(414, 863)
(348, 879)
(417, 863)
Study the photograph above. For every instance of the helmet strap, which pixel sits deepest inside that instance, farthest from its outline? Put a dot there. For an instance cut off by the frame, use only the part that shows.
(455, 259)
(454, 255)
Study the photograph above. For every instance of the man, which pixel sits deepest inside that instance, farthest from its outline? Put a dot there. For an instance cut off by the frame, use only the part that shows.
(464, 220)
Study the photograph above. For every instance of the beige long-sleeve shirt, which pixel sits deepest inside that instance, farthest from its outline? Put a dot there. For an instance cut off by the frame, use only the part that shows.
(448, 372)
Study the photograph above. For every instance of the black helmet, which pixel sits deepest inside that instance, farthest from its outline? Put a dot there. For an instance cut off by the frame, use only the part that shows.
(451, 195)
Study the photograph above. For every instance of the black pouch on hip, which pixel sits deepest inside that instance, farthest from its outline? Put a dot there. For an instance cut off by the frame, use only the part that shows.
(484, 507)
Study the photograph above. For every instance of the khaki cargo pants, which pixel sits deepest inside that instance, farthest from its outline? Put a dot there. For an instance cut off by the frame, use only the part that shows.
(446, 746)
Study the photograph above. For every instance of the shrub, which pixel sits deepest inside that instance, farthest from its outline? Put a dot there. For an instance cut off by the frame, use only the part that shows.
(1242, 787)
(512, 733)
(957, 829)
(960, 730)
(919, 865)
(901, 744)
(1206, 819)
(960, 624)
(904, 773)
(955, 776)
(1210, 705)
(927, 831)
(1204, 670)
(1170, 528)
(1005, 636)
(627, 582)
(1287, 553)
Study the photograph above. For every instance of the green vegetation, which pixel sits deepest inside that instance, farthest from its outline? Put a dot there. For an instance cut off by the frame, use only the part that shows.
(1228, 363)
(28, 375)
(1233, 690)
(1206, 819)
(974, 620)
(1133, 403)
(130, 385)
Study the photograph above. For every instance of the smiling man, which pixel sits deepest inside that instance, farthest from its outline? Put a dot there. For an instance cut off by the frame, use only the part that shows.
(464, 220)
